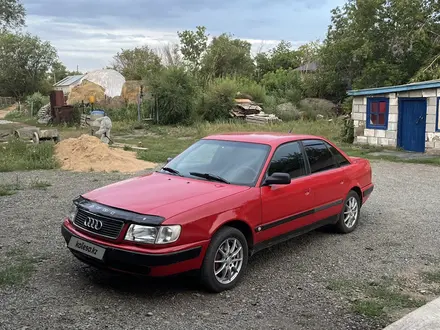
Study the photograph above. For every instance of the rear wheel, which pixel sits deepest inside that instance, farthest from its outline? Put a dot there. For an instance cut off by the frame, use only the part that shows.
(349, 217)
(225, 260)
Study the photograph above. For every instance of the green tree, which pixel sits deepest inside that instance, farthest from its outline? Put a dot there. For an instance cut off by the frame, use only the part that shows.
(226, 56)
(193, 45)
(284, 84)
(12, 14)
(24, 63)
(137, 63)
(377, 43)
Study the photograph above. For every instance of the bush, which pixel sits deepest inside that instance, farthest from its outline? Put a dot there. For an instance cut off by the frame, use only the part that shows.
(256, 92)
(36, 101)
(218, 99)
(284, 84)
(174, 94)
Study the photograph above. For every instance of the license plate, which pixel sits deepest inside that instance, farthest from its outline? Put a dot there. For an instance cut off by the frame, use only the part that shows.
(86, 248)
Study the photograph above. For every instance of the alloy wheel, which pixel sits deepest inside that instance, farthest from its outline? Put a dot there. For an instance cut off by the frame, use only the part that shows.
(351, 212)
(228, 260)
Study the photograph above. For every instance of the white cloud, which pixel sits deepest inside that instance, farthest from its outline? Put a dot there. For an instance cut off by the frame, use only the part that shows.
(92, 47)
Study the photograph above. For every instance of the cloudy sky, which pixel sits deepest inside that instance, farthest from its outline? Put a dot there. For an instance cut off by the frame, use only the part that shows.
(88, 33)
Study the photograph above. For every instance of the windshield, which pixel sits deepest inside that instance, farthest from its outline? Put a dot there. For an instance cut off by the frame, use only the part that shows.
(223, 161)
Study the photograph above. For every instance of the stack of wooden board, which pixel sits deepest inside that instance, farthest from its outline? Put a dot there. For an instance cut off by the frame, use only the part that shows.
(262, 118)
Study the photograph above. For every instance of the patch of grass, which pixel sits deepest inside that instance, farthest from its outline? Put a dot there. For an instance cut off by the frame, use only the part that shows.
(8, 189)
(432, 276)
(20, 156)
(376, 299)
(18, 270)
(168, 141)
(37, 184)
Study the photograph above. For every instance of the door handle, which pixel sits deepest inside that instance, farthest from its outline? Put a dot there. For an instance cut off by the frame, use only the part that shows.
(307, 191)
(418, 120)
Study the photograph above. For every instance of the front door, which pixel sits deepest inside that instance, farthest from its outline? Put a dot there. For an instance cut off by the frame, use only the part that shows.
(412, 124)
(286, 208)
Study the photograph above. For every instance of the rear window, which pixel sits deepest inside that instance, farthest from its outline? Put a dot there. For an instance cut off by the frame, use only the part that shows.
(319, 156)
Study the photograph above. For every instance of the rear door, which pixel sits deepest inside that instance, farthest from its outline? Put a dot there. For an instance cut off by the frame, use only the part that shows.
(286, 208)
(329, 182)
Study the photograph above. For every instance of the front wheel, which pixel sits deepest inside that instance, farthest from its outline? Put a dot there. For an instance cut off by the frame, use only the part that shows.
(225, 260)
(349, 217)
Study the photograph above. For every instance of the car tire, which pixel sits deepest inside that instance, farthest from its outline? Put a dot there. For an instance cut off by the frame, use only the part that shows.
(349, 216)
(212, 263)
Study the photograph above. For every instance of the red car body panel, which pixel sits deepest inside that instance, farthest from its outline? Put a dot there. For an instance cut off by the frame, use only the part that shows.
(201, 207)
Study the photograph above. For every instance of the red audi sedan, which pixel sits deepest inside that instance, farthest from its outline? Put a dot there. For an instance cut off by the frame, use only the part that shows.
(217, 203)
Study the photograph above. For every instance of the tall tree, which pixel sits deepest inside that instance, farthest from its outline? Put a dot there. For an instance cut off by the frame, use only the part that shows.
(193, 45)
(137, 63)
(24, 63)
(12, 14)
(227, 56)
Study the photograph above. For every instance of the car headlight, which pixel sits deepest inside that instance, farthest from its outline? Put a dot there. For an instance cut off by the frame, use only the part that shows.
(72, 213)
(153, 235)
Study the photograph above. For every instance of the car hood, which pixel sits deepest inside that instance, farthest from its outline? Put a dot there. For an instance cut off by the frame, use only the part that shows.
(161, 194)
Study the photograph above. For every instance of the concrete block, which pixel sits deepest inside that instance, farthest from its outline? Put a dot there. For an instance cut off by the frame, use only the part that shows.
(393, 108)
(391, 134)
(362, 139)
(436, 144)
(392, 118)
(382, 141)
(432, 92)
(372, 140)
(429, 145)
(355, 108)
(430, 119)
(430, 128)
(356, 123)
(432, 101)
(431, 110)
(368, 132)
(392, 126)
(392, 96)
(403, 94)
(438, 91)
(392, 143)
(357, 115)
(359, 100)
(380, 133)
(393, 101)
(415, 93)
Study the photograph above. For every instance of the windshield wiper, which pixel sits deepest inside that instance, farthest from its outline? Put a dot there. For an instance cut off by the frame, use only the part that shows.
(171, 170)
(209, 176)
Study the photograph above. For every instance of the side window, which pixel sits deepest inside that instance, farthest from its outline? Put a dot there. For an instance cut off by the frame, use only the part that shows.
(341, 160)
(288, 158)
(320, 157)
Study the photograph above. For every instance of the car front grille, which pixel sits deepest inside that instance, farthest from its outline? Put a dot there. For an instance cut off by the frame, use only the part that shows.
(108, 227)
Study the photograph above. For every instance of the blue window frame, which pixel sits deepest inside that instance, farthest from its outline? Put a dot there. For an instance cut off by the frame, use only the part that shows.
(377, 112)
(437, 117)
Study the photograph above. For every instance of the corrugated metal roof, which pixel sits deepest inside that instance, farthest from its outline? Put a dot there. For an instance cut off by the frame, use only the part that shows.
(69, 80)
(394, 89)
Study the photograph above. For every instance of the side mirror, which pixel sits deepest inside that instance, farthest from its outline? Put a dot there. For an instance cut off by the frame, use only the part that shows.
(169, 159)
(277, 178)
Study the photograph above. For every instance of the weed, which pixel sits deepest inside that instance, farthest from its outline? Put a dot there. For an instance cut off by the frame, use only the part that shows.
(37, 184)
(18, 269)
(20, 156)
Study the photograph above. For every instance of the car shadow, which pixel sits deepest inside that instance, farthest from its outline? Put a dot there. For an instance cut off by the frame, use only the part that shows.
(188, 283)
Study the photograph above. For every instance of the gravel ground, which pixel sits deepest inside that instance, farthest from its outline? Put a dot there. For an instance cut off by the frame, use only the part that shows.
(285, 287)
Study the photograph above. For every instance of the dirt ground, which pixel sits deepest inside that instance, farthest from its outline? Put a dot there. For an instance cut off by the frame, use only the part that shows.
(363, 280)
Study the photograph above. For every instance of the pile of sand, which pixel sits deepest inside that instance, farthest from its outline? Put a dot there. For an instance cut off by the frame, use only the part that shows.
(87, 153)
(84, 90)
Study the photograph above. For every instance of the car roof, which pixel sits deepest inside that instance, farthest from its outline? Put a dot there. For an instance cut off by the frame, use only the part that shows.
(270, 138)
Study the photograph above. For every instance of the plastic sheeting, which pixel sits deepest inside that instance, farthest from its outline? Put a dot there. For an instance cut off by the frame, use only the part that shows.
(111, 80)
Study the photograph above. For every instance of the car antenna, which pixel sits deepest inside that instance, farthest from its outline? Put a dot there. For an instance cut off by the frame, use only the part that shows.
(290, 131)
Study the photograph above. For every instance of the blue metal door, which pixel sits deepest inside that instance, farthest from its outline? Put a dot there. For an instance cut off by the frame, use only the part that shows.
(412, 124)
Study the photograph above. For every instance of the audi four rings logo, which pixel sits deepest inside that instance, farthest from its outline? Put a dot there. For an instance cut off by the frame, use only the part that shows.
(93, 223)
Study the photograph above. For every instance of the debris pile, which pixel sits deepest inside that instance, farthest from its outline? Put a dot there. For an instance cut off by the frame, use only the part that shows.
(130, 91)
(252, 112)
(87, 153)
(44, 114)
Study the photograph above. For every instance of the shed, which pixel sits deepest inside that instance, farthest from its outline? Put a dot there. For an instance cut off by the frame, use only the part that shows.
(403, 116)
(68, 83)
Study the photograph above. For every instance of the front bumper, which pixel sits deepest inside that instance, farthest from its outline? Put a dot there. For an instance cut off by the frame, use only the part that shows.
(160, 264)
